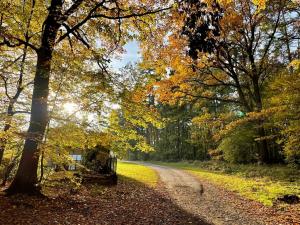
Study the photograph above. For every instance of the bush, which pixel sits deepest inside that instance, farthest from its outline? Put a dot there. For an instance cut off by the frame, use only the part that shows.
(239, 146)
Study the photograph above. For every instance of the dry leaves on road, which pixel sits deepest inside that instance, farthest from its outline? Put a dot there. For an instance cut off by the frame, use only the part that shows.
(127, 203)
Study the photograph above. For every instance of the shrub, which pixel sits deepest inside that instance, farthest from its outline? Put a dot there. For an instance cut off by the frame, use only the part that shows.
(239, 146)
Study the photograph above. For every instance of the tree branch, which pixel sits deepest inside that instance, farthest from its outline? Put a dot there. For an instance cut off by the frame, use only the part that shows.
(210, 98)
(19, 41)
(92, 14)
(129, 15)
(72, 9)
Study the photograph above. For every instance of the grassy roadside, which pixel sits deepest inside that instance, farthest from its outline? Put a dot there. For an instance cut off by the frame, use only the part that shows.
(260, 183)
(137, 172)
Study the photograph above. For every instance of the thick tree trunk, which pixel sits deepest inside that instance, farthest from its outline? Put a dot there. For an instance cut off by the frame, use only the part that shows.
(26, 177)
(26, 180)
(263, 148)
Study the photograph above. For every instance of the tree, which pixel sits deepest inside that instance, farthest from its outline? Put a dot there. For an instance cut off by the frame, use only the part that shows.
(12, 96)
(64, 20)
(234, 51)
(286, 100)
(135, 116)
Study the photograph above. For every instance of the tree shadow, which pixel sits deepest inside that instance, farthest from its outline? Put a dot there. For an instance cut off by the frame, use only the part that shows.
(128, 202)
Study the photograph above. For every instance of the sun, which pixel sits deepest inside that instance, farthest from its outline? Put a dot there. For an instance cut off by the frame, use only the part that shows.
(70, 107)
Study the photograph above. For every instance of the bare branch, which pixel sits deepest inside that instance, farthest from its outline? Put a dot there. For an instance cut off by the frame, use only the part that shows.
(21, 112)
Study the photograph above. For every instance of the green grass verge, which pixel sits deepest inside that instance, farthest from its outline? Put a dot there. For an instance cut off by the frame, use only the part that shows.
(139, 173)
(260, 183)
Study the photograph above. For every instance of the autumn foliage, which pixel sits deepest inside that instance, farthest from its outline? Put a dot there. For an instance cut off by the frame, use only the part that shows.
(217, 79)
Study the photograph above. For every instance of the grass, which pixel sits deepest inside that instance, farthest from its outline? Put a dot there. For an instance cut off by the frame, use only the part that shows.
(260, 183)
(64, 180)
(140, 173)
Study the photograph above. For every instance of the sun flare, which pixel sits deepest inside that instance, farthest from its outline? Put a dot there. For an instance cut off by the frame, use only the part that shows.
(70, 107)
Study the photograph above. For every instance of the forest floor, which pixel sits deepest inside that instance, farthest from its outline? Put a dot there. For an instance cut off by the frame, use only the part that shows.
(145, 194)
(218, 205)
(138, 199)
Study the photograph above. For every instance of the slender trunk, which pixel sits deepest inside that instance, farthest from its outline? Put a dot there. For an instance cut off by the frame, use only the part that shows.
(8, 170)
(42, 167)
(10, 108)
(264, 156)
(178, 141)
(43, 152)
(26, 177)
(194, 153)
(9, 114)
(3, 140)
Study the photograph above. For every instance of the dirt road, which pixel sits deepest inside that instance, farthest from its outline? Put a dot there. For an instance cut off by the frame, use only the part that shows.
(201, 199)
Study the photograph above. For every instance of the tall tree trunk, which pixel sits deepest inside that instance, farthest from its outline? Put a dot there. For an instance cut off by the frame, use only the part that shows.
(9, 114)
(26, 178)
(264, 156)
(178, 141)
(263, 149)
(3, 140)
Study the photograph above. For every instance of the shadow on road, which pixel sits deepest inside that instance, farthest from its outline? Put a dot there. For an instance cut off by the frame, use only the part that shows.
(129, 202)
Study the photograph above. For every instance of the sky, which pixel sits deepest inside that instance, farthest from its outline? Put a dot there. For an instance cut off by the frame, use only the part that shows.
(130, 56)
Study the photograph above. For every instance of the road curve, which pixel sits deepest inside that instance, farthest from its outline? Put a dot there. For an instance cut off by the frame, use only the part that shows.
(201, 199)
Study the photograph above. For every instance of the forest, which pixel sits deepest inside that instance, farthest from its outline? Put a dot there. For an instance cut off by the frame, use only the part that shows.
(234, 97)
(216, 81)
